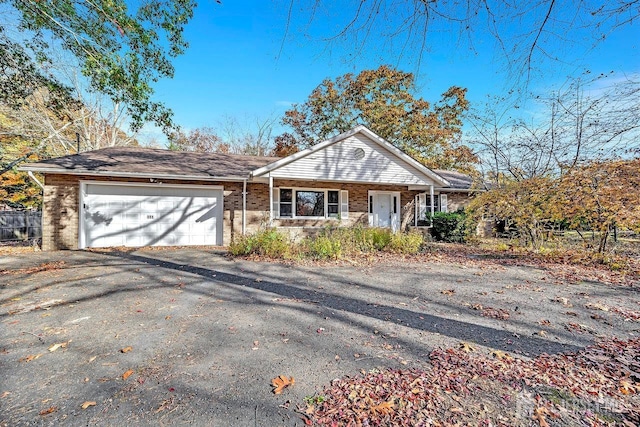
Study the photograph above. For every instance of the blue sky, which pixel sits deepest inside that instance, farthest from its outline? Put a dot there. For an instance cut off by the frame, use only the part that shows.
(235, 67)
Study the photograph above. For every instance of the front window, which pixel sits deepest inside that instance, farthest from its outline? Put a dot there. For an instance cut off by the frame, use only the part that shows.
(436, 204)
(286, 202)
(310, 203)
(333, 203)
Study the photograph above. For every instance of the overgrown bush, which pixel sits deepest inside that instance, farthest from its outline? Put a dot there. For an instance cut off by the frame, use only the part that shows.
(449, 227)
(330, 243)
(406, 243)
(268, 242)
(323, 247)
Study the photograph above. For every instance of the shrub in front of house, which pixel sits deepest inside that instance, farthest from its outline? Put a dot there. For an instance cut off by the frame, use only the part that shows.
(268, 242)
(449, 227)
(330, 243)
(323, 247)
(406, 243)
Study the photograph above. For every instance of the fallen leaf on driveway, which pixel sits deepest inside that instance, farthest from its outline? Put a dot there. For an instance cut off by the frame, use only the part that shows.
(86, 404)
(29, 358)
(48, 411)
(501, 355)
(596, 306)
(448, 291)
(539, 415)
(281, 382)
(384, 408)
(127, 374)
(56, 346)
(495, 313)
(126, 349)
(466, 347)
(564, 301)
(5, 394)
(627, 387)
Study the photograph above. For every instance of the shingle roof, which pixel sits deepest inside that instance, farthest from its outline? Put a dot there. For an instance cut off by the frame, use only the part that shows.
(457, 180)
(153, 162)
(136, 161)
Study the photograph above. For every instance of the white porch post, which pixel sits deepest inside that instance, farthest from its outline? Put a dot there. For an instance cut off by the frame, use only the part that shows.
(270, 200)
(416, 201)
(432, 209)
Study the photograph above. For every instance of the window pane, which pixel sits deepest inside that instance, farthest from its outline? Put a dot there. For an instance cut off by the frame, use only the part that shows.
(309, 203)
(436, 199)
(285, 209)
(332, 197)
(285, 195)
(333, 211)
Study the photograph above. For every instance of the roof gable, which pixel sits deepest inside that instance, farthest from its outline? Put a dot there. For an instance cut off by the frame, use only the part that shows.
(358, 155)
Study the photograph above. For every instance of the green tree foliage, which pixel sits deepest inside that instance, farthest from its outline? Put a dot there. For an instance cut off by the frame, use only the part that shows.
(449, 227)
(384, 101)
(121, 51)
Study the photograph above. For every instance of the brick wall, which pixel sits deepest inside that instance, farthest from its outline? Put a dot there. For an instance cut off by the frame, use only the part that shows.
(457, 201)
(358, 203)
(60, 212)
(61, 203)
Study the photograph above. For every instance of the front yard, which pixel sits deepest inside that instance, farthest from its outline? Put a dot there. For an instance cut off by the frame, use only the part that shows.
(192, 336)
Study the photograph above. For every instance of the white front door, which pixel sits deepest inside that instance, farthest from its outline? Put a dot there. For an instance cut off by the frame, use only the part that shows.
(383, 210)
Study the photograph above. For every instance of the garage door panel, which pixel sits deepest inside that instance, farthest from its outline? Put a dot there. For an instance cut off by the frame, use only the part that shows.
(141, 216)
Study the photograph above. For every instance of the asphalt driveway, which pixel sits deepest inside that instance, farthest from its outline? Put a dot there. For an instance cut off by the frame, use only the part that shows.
(189, 336)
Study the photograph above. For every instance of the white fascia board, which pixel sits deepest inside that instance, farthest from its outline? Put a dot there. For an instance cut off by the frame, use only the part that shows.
(446, 189)
(132, 175)
(358, 129)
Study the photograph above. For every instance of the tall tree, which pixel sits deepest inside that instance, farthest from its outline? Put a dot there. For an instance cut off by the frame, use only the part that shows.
(202, 140)
(232, 136)
(121, 51)
(585, 119)
(383, 100)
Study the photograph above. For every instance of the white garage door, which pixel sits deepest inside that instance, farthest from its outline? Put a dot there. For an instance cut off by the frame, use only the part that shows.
(132, 215)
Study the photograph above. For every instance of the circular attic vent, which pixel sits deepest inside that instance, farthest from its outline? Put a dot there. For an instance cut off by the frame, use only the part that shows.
(358, 154)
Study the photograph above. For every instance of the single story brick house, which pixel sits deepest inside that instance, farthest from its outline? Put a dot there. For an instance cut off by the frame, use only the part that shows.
(129, 196)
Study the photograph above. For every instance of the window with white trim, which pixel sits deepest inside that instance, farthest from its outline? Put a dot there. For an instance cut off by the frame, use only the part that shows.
(436, 203)
(286, 202)
(424, 204)
(312, 203)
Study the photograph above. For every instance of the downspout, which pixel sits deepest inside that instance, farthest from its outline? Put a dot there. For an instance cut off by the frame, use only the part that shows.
(244, 206)
(432, 209)
(36, 180)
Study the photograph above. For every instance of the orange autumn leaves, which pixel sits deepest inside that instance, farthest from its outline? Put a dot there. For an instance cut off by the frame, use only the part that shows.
(281, 382)
(597, 196)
